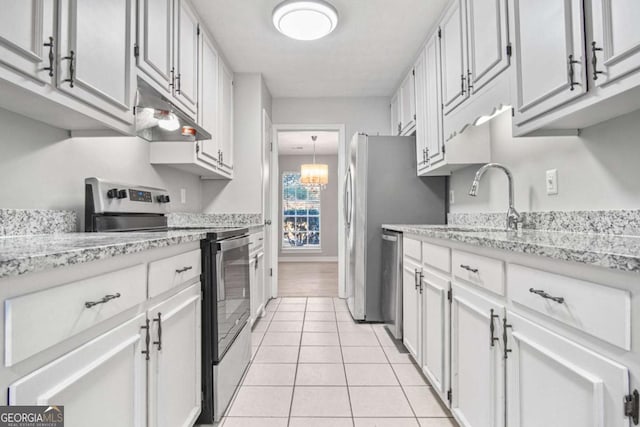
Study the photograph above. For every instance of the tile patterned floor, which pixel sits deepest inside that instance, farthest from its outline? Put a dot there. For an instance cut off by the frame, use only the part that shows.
(313, 366)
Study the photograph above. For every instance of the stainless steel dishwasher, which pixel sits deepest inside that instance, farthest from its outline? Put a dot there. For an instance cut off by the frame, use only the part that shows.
(392, 282)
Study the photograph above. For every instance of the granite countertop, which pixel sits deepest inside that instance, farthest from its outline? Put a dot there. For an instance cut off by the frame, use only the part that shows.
(25, 254)
(616, 252)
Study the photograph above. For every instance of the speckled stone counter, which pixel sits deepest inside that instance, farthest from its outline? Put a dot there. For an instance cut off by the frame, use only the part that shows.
(20, 222)
(200, 220)
(617, 252)
(24, 254)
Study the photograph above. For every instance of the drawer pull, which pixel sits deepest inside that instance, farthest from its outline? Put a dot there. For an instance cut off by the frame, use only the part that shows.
(466, 267)
(159, 342)
(104, 299)
(545, 295)
(183, 269)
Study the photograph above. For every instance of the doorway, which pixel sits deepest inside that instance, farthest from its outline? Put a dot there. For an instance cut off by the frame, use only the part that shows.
(308, 225)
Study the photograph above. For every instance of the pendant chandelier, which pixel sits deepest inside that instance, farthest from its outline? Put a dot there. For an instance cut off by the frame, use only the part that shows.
(314, 175)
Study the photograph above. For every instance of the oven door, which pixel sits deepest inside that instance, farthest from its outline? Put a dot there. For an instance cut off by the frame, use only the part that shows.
(232, 288)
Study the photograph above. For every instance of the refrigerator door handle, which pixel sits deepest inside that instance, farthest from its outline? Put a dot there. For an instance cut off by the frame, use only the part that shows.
(344, 200)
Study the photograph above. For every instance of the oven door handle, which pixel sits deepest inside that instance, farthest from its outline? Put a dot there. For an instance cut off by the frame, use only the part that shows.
(220, 275)
(226, 245)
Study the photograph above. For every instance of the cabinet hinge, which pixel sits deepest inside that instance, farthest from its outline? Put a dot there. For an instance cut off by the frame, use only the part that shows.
(631, 406)
(136, 50)
(415, 117)
(443, 149)
(271, 146)
(413, 71)
(198, 29)
(439, 32)
(509, 50)
(197, 148)
(271, 272)
(449, 295)
(449, 395)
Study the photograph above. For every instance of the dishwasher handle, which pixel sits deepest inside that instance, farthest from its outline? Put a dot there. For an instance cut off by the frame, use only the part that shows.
(389, 238)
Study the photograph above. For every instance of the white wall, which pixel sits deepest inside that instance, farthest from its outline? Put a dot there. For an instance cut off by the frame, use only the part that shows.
(328, 206)
(600, 169)
(370, 115)
(243, 194)
(41, 167)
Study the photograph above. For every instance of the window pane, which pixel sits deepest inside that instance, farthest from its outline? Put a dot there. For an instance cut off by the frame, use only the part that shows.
(301, 213)
(301, 193)
(301, 224)
(314, 193)
(314, 223)
(314, 238)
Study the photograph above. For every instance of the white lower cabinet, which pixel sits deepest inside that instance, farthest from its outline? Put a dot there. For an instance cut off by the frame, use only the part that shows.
(435, 331)
(107, 372)
(555, 382)
(258, 296)
(175, 360)
(477, 363)
(411, 308)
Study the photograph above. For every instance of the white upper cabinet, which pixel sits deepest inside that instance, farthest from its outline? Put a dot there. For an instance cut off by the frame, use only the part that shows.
(395, 114)
(421, 114)
(434, 136)
(615, 46)
(155, 42)
(96, 54)
(225, 117)
(186, 56)
(488, 40)
(28, 38)
(408, 104)
(574, 385)
(549, 49)
(454, 56)
(208, 98)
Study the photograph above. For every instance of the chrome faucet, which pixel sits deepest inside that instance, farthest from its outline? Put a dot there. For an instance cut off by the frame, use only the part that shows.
(514, 221)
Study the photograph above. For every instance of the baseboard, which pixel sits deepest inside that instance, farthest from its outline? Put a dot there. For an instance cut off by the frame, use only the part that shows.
(308, 259)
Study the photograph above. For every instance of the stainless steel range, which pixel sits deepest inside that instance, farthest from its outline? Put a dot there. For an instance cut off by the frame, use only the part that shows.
(226, 338)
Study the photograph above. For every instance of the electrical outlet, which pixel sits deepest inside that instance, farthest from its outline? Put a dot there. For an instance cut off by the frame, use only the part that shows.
(552, 181)
(452, 197)
(183, 195)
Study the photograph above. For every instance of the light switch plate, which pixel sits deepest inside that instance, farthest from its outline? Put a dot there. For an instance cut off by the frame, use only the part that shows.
(552, 181)
(183, 195)
(452, 198)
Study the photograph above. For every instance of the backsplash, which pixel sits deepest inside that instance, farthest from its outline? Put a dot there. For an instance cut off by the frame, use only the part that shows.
(19, 222)
(198, 220)
(619, 222)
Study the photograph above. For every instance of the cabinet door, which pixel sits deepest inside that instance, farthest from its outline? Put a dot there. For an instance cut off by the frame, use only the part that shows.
(574, 385)
(208, 98)
(259, 270)
(225, 114)
(433, 102)
(26, 28)
(395, 115)
(109, 371)
(408, 104)
(421, 112)
(411, 307)
(155, 41)
(454, 56)
(96, 49)
(617, 33)
(175, 365)
(488, 40)
(435, 327)
(549, 35)
(186, 56)
(477, 368)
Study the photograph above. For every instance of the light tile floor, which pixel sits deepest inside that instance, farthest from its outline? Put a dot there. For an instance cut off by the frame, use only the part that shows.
(313, 366)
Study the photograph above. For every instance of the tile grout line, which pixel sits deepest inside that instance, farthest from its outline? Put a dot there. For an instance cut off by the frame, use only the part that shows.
(344, 368)
(295, 376)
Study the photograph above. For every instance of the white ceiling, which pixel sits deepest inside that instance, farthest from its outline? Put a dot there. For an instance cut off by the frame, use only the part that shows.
(298, 143)
(373, 45)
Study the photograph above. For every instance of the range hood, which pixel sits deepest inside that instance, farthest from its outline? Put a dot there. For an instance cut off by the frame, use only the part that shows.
(158, 119)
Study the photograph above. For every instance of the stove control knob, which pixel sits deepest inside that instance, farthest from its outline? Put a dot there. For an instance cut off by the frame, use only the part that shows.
(166, 199)
(122, 194)
(113, 193)
(163, 198)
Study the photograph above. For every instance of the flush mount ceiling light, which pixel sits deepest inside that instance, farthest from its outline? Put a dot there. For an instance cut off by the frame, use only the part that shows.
(305, 19)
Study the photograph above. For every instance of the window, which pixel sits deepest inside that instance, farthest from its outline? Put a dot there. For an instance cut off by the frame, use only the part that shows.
(300, 213)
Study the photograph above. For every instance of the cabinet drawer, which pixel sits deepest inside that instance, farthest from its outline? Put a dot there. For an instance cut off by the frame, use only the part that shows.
(170, 272)
(436, 256)
(256, 242)
(598, 310)
(481, 271)
(37, 321)
(412, 248)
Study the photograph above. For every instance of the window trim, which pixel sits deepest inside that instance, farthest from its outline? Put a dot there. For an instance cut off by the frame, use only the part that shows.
(305, 249)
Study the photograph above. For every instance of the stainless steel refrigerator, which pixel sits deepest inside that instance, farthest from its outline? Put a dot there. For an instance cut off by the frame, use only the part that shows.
(381, 187)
